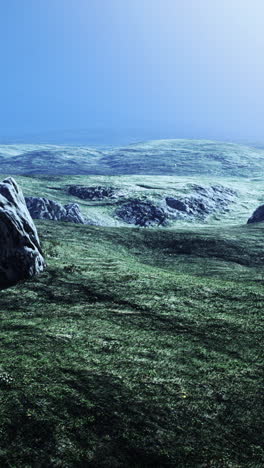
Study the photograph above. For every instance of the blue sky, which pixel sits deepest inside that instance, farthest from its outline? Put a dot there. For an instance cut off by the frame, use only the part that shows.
(136, 68)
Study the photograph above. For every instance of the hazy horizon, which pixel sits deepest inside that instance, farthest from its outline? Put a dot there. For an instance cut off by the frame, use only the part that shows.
(107, 138)
(115, 72)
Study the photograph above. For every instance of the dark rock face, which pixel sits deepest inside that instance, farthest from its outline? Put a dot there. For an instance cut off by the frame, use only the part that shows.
(42, 208)
(176, 204)
(258, 215)
(142, 213)
(203, 202)
(20, 252)
(92, 193)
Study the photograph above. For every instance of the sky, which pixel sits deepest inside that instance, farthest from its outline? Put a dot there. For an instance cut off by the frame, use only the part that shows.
(131, 69)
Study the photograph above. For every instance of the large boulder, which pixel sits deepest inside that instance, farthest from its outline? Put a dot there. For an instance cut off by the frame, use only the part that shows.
(42, 208)
(258, 215)
(20, 253)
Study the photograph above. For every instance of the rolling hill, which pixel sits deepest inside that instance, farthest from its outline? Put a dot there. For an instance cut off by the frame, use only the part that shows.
(157, 157)
(135, 348)
(186, 157)
(49, 160)
(146, 188)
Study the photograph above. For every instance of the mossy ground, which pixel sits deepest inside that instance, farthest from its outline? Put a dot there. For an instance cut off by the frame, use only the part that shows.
(135, 348)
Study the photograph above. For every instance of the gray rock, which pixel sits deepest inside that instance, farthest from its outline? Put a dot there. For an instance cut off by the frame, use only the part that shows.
(142, 213)
(20, 253)
(42, 208)
(176, 204)
(203, 202)
(92, 193)
(258, 215)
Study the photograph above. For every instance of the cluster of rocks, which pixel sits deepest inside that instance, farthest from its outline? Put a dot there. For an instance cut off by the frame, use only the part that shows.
(203, 202)
(20, 252)
(92, 193)
(142, 213)
(21, 256)
(42, 208)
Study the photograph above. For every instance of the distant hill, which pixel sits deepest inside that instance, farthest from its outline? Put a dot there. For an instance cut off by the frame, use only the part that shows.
(50, 159)
(156, 157)
(187, 157)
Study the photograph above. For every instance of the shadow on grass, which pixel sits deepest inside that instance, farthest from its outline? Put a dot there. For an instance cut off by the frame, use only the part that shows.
(87, 419)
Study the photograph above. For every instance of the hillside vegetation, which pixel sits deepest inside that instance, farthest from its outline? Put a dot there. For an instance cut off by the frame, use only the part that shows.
(139, 348)
(187, 157)
(157, 157)
(154, 188)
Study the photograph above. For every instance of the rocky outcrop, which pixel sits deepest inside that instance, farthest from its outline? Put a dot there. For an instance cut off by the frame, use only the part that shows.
(92, 193)
(142, 213)
(203, 202)
(20, 253)
(42, 208)
(258, 215)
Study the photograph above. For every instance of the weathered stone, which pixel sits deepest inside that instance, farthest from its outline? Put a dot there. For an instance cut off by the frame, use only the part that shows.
(92, 193)
(141, 213)
(42, 208)
(20, 253)
(203, 202)
(176, 204)
(258, 215)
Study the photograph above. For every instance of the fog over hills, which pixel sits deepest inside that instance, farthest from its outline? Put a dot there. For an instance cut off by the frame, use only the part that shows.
(155, 157)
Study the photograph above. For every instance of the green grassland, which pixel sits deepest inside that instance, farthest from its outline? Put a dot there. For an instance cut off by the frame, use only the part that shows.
(155, 188)
(135, 348)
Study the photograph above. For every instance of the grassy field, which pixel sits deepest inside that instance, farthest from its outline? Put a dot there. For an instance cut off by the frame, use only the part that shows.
(136, 348)
(250, 193)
